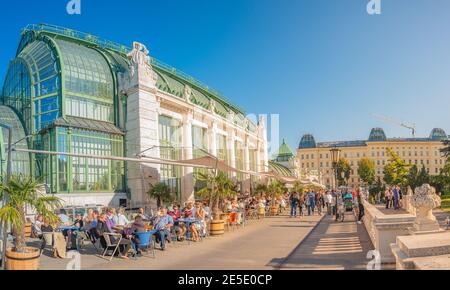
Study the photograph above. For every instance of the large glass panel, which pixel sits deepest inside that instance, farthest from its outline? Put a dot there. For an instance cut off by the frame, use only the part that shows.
(199, 144)
(89, 174)
(239, 159)
(89, 82)
(222, 147)
(32, 76)
(21, 160)
(170, 141)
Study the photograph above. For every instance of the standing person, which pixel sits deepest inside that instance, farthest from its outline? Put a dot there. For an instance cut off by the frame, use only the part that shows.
(310, 202)
(396, 197)
(301, 203)
(360, 198)
(328, 200)
(319, 203)
(387, 197)
(294, 204)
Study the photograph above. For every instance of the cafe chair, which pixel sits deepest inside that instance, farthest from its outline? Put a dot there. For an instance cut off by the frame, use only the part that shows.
(146, 241)
(111, 244)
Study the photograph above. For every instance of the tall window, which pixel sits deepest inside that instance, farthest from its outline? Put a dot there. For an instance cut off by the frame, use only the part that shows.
(170, 134)
(199, 149)
(81, 174)
(239, 157)
(222, 147)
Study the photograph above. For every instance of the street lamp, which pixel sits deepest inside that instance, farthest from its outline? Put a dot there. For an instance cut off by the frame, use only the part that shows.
(335, 156)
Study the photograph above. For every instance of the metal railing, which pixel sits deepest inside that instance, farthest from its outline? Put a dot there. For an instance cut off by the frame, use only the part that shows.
(123, 49)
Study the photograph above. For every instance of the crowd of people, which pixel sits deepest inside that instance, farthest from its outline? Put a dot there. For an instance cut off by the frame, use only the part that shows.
(165, 224)
(334, 202)
(393, 196)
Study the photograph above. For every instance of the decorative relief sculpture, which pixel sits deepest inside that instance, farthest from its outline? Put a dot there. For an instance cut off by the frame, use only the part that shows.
(212, 105)
(140, 69)
(424, 201)
(187, 92)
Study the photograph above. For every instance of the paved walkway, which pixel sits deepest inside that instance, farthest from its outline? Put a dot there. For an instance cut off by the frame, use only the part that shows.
(332, 245)
(262, 245)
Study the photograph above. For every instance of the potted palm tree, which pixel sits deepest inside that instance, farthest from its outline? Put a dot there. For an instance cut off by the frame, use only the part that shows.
(24, 193)
(218, 187)
(161, 193)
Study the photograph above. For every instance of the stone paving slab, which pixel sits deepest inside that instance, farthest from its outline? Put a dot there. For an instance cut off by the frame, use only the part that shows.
(333, 246)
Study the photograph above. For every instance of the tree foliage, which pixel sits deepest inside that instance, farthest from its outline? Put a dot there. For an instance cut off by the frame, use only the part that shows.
(218, 187)
(343, 171)
(446, 149)
(25, 193)
(366, 170)
(162, 193)
(396, 171)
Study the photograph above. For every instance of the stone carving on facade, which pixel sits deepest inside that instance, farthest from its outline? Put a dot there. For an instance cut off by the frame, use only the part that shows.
(212, 105)
(424, 201)
(140, 71)
(231, 116)
(187, 93)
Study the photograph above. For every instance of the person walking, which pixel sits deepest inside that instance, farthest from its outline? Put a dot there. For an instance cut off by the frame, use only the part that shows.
(396, 197)
(360, 197)
(301, 203)
(294, 204)
(328, 199)
(311, 202)
(387, 197)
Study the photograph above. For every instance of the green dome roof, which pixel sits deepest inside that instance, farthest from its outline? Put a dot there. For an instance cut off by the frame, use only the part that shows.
(284, 153)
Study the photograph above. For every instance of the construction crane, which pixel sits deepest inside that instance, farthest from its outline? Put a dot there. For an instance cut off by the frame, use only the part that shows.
(390, 120)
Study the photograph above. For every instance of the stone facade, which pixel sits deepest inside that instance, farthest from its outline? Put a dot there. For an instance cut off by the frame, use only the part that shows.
(146, 103)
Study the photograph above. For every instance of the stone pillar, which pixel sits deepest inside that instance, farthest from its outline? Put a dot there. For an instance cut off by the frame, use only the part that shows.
(139, 85)
(262, 134)
(231, 150)
(187, 192)
(212, 133)
(247, 182)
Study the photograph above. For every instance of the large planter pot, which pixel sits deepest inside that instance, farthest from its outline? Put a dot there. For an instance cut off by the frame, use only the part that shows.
(28, 260)
(217, 228)
(274, 210)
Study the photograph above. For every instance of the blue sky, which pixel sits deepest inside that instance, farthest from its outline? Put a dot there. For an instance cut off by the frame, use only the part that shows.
(323, 65)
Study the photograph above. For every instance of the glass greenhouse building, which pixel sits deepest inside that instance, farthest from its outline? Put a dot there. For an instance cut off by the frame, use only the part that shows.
(61, 93)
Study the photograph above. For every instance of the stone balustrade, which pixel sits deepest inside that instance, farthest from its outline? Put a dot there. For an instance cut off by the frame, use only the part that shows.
(407, 205)
(384, 229)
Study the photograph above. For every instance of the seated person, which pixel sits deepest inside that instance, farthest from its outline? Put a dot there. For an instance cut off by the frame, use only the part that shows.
(102, 227)
(163, 223)
(65, 220)
(37, 231)
(121, 218)
(180, 228)
(46, 227)
(189, 213)
(138, 226)
(200, 226)
(79, 222)
(141, 212)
